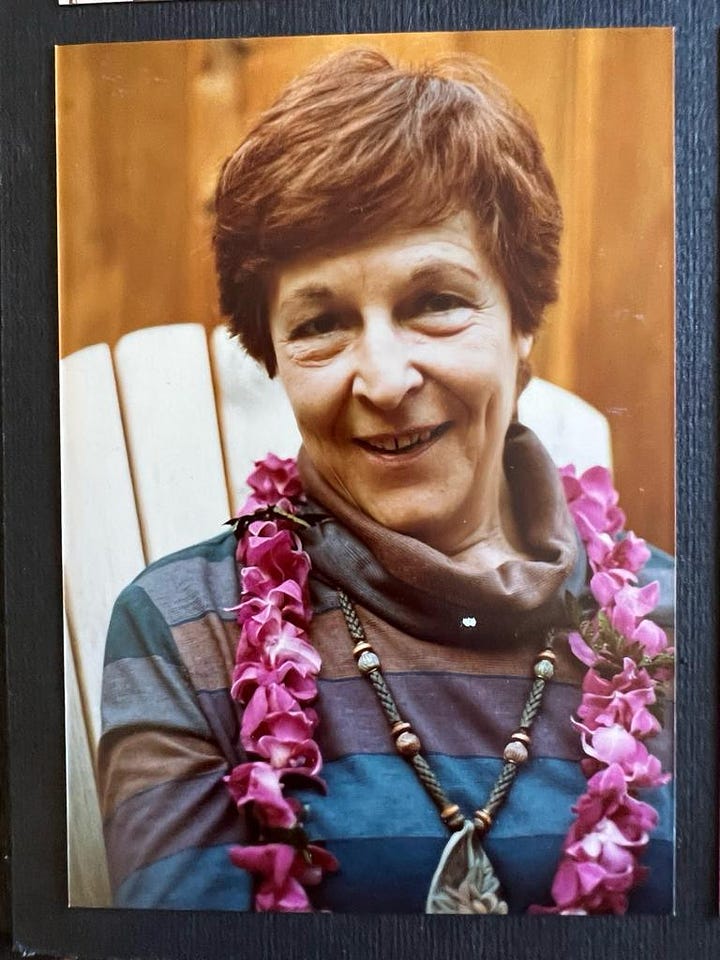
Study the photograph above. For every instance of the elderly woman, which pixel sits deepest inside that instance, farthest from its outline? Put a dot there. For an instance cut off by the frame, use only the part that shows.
(362, 697)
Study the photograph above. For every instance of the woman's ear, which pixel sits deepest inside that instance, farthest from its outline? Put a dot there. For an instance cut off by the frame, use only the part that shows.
(524, 370)
(525, 343)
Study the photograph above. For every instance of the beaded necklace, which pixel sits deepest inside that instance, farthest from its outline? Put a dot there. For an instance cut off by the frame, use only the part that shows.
(464, 880)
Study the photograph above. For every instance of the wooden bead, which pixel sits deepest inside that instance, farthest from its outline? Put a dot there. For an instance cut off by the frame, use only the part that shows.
(399, 726)
(368, 662)
(515, 752)
(482, 820)
(408, 744)
(452, 817)
(361, 647)
(456, 822)
(546, 654)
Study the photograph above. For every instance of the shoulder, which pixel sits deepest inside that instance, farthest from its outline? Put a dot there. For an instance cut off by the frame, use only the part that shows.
(181, 588)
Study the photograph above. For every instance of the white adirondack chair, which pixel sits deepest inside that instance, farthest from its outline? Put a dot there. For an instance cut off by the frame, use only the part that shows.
(157, 438)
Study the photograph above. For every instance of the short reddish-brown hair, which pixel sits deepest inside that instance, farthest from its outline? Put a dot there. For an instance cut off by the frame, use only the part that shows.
(357, 145)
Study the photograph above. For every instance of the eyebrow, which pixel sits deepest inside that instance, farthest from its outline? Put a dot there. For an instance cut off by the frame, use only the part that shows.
(438, 270)
(307, 294)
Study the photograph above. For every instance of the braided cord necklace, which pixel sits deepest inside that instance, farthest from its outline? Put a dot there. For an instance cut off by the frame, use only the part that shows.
(464, 881)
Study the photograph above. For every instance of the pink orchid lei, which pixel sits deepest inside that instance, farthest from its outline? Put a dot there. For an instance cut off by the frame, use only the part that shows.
(274, 679)
(629, 660)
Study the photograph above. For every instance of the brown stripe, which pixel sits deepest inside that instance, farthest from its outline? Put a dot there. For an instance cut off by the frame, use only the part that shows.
(139, 761)
(167, 819)
(207, 649)
(400, 653)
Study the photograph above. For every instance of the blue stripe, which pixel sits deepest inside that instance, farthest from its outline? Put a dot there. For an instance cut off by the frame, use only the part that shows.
(196, 879)
(375, 795)
(392, 875)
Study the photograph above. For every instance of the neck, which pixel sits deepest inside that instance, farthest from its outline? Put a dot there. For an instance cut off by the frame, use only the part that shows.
(497, 538)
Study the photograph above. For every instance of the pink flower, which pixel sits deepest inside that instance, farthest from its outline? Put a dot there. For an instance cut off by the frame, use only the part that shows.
(309, 869)
(592, 501)
(606, 584)
(284, 872)
(605, 553)
(651, 638)
(615, 745)
(582, 887)
(632, 603)
(278, 890)
(268, 640)
(622, 700)
(272, 479)
(273, 710)
(297, 678)
(607, 797)
(259, 783)
(581, 650)
(290, 755)
(600, 860)
(276, 553)
(288, 598)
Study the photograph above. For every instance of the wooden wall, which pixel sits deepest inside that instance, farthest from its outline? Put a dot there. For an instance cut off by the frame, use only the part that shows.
(144, 127)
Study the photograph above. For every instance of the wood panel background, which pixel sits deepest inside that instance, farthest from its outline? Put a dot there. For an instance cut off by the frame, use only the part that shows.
(144, 127)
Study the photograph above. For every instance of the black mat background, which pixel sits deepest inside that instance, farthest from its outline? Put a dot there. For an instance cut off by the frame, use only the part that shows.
(32, 799)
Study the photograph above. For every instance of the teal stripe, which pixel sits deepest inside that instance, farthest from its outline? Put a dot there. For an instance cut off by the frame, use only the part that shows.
(373, 795)
(195, 879)
(137, 629)
(214, 550)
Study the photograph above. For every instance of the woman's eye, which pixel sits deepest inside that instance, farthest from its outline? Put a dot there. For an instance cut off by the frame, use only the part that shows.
(316, 327)
(440, 302)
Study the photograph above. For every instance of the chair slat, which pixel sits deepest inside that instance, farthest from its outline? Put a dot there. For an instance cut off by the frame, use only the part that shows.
(254, 411)
(88, 881)
(168, 406)
(102, 550)
(570, 428)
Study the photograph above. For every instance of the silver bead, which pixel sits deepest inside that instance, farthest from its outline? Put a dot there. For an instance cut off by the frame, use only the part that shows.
(544, 669)
(368, 661)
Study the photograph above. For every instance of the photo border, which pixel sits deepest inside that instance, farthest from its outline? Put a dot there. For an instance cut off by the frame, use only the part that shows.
(31, 499)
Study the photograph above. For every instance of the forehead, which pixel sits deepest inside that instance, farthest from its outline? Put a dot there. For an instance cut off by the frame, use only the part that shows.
(452, 242)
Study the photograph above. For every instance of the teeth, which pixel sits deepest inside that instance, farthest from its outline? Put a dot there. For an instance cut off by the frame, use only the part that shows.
(402, 442)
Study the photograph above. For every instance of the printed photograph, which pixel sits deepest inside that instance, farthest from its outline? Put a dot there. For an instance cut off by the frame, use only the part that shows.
(367, 438)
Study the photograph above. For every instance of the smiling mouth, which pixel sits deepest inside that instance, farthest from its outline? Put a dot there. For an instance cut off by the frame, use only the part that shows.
(399, 443)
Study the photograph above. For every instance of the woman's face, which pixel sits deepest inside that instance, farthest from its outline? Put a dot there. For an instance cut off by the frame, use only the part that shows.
(400, 362)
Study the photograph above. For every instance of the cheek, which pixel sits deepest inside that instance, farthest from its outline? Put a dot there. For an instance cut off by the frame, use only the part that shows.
(314, 404)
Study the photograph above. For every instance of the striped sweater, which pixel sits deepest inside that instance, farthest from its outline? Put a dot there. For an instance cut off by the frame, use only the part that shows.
(170, 734)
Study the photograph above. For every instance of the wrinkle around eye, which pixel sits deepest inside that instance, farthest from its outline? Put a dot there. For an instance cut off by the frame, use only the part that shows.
(317, 348)
(444, 322)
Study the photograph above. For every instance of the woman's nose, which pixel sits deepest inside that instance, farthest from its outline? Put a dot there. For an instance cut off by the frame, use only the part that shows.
(385, 372)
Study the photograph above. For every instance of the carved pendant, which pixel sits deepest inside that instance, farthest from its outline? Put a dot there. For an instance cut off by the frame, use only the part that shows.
(465, 881)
